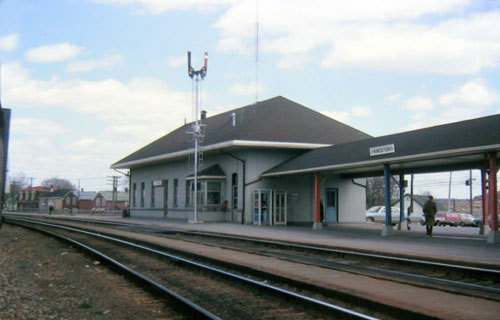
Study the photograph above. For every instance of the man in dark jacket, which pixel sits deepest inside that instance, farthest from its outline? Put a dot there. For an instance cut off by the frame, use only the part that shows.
(430, 210)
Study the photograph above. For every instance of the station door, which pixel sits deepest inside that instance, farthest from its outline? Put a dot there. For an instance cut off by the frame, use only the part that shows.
(331, 205)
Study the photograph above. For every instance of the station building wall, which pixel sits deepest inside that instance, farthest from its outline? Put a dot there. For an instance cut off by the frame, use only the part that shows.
(257, 161)
(300, 196)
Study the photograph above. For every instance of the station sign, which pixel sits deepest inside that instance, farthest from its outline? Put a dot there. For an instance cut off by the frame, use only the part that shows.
(380, 150)
(157, 183)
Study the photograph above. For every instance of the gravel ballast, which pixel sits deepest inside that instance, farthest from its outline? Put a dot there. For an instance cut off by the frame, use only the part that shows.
(41, 278)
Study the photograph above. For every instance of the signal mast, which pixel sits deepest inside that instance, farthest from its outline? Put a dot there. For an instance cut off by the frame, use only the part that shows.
(197, 133)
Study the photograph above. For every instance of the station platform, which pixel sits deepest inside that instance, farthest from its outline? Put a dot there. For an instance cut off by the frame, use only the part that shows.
(448, 244)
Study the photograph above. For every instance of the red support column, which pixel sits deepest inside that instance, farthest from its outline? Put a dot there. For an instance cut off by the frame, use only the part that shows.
(485, 199)
(493, 191)
(317, 193)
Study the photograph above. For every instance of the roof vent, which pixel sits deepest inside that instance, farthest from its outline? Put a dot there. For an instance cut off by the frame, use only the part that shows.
(203, 114)
(233, 119)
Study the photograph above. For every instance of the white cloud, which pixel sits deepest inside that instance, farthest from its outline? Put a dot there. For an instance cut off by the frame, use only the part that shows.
(117, 119)
(394, 97)
(53, 53)
(348, 116)
(380, 35)
(294, 61)
(342, 116)
(89, 65)
(473, 94)
(240, 89)
(419, 104)
(399, 36)
(10, 42)
(361, 111)
(28, 134)
(408, 47)
(31, 127)
(84, 143)
(471, 100)
(160, 6)
(176, 62)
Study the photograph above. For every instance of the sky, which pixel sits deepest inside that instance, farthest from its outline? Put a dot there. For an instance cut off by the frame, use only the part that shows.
(91, 81)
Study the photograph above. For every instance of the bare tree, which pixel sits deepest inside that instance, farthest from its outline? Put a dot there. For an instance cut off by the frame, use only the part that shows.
(375, 191)
(58, 183)
(18, 182)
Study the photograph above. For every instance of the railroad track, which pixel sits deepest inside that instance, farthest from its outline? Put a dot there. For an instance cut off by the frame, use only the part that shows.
(206, 292)
(426, 274)
(467, 280)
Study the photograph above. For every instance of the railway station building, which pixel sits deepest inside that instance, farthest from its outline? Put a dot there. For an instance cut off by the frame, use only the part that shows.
(278, 162)
(239, 146)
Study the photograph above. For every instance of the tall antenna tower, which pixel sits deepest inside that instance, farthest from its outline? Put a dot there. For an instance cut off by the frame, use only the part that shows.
(257, 53)
(197, 77)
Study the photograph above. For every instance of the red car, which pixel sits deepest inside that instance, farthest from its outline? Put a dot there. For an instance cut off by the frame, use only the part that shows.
(444, 218)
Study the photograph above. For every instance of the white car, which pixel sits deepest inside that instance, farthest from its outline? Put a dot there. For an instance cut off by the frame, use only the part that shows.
(377, 214)
(417, 218)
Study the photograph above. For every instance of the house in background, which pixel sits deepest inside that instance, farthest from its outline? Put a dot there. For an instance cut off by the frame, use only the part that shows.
(238, 147)
(418, 203)
(61, 200)
(86, 200)
(28, 199)
(103, 201)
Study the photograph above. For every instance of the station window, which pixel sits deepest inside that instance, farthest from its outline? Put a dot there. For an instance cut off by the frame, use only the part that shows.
(188, 194)
(143, 193)
(176, 187)
(152, 194)
(209, 192)
(134, 192)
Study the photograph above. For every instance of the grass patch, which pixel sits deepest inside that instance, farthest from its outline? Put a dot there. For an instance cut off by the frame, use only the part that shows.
(85, 305)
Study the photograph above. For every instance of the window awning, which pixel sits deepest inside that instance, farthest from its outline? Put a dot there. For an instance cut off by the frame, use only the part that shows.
(214, 173)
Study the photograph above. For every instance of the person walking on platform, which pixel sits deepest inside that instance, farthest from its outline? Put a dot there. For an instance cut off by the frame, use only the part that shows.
(430, 210)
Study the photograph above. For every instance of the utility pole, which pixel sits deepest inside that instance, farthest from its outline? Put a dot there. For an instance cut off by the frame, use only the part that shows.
(31, 181)
(449, 193)
(469, 183)
(114, 181)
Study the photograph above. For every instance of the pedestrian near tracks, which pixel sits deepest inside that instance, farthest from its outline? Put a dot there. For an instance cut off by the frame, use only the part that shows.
(430, 210)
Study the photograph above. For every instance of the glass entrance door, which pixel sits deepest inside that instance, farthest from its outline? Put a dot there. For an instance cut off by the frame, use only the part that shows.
(262, 202)
(331, 209)
(279, 211)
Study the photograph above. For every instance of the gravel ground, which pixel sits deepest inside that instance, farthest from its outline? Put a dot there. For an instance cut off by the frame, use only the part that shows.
(41, 278)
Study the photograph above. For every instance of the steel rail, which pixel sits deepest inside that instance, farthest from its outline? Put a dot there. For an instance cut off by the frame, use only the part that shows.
(491, 272)
(330, 308)
(306, 247)
(198, 312)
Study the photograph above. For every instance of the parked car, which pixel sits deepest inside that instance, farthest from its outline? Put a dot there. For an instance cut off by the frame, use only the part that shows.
(377, 214)
(444, 218)
(478, 221)
(467, 219)
(417, 218)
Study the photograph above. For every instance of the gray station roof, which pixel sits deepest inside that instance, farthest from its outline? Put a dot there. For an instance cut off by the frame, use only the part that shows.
(456, 146)
(277, 123)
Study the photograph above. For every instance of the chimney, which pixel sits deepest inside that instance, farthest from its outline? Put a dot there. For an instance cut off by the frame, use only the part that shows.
(203, 114)
(233, 119)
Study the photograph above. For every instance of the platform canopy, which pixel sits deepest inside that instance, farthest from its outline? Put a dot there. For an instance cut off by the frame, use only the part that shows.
(456, 146)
